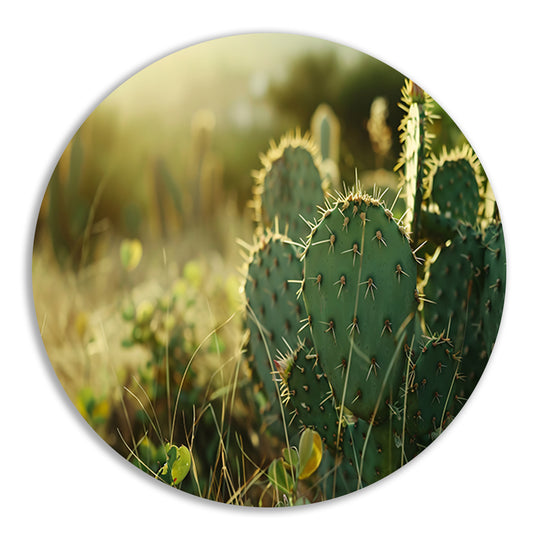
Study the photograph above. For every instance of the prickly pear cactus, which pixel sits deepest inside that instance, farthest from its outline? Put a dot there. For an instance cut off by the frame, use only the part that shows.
(325, 129)
(453, 182)
(350, 335)
(459, 281)
(308, 395)
(289, 187)
(273, 313)
(453, 286)
(373, 451)
(416, 138)
(360, 297)
(433, 402)
(494, 284)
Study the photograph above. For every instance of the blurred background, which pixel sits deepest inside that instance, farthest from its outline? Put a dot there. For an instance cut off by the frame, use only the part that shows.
(135, 252)
(188, 130)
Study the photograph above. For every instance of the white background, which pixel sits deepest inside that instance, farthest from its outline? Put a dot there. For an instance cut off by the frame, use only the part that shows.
(60, 59)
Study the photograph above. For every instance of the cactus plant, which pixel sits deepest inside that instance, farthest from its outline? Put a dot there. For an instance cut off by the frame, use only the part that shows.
(453, 285)
(325, 129)
(433, 402)
(372, 451)
(458, 216)
(375, 352)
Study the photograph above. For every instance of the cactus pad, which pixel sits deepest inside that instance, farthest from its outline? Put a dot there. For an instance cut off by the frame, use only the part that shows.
(307, 390)
(273, 313)
(453, 180)
(416, 143)
(494, 284)
(359, 291)
(454, 288)
(373, 451)
(289, 187)
(453, 285)
(434, 400)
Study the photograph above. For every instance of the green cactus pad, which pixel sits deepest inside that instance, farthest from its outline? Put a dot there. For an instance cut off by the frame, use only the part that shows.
(289, 187)
(416, 138)
(453, 180)
(453, 306)
(494, 283)
(360, 296)
(436, 228)
(273, 313)
(373, 451)
(433, 401)
(325, 130)
(307, 390)
(453, 285)
(487, 307)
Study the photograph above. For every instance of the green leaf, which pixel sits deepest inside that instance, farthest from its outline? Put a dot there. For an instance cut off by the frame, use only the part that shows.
(177, 465)
(182, 465)
(310, 449)
(279, 477)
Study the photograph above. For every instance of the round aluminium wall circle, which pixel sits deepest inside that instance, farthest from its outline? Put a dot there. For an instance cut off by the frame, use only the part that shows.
(236, 311)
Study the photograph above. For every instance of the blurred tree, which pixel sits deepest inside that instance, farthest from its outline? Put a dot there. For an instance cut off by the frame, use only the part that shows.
(312, 79)
(360, 85)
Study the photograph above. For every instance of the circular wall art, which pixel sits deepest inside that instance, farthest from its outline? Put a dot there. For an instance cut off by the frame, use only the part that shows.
(269, 270)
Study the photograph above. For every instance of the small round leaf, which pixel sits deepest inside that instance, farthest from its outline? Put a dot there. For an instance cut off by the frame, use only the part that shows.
(310, 450)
